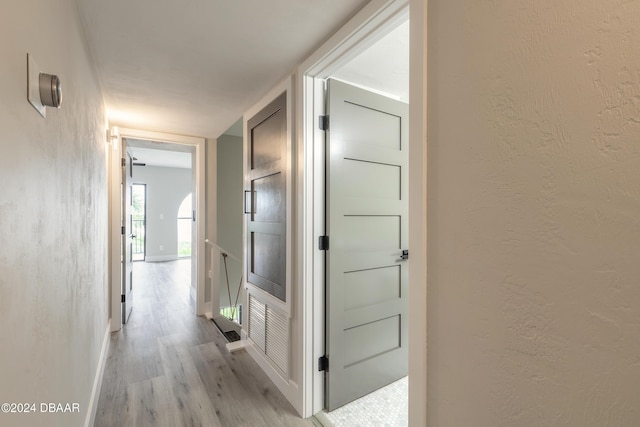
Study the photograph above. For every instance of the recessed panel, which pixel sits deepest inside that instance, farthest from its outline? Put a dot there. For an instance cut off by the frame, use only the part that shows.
(371, 127)
(371, 180)
(371, 233)
(364, 288)
(371, 339)
(268, 199)
(267, 139)
(267, 257)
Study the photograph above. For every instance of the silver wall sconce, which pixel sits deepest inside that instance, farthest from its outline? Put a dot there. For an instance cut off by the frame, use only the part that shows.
(43, 90)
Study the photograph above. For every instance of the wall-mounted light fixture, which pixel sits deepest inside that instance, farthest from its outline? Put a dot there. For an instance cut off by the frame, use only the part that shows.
(43, 90)
(113, 134)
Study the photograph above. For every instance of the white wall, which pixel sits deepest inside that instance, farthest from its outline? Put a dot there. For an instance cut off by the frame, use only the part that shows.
(533, 213)
(53, 217)
(230, 214)
(166, 189)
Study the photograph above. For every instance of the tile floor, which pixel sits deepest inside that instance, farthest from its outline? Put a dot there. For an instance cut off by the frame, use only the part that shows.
(387, 407)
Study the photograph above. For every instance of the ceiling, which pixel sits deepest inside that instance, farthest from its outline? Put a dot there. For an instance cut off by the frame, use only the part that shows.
(194, 67)
(153, 153)
(383, 67)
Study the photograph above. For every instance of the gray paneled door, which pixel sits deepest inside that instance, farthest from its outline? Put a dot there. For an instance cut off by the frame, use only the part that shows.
(367, 219)
(265, 201)
(127, 235)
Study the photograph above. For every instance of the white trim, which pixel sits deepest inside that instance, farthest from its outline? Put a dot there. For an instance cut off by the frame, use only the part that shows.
(208, 310)
(92, 407)
(290, 308)
(418, 147)
(288, 388)
(161, 258)
(192, 294)
(373, 22)
(234, 346)
(285, 85)
(115, 206)
(199, 161)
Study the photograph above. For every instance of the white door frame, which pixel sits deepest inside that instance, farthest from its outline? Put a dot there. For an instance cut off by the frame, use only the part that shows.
(116, 206)
(375, 20)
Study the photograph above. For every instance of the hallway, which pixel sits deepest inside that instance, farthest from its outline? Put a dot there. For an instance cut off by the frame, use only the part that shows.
(168, 367)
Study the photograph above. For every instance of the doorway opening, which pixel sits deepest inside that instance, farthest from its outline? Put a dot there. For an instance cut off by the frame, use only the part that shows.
(154, 152)
(371, 89)
(368, 61)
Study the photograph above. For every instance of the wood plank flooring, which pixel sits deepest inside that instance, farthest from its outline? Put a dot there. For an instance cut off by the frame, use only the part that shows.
(168, 367)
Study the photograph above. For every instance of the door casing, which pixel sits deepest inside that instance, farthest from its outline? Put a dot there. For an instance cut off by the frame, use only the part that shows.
(116, 207)
(374, 21)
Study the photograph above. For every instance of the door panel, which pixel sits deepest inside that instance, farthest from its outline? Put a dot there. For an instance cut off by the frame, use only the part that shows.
(372, 180)
(266, 223)
(367, 203)
(266, 139)
(371, 286)
(371, 127)
(268, 199)
(371, 339)
(127, 238)
(266, 247)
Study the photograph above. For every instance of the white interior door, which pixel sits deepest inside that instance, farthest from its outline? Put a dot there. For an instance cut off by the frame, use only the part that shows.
(367, 224)
(127, 233)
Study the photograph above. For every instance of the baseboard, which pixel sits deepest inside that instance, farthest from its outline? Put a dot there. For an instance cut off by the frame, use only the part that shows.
(289, 389)
(234, 346)
(92, 408)
(323, 419)
(208, 310)
(158, 258)
(192, 294)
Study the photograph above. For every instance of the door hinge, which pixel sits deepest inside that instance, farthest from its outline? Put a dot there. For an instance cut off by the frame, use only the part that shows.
(323, 122)
(323, 243)
(123, 230)
(405, 254)
(123, 162)
(123, 298)
(323, 364)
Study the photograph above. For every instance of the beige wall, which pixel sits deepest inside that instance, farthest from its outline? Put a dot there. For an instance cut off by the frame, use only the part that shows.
(53, 217)
(534, 213)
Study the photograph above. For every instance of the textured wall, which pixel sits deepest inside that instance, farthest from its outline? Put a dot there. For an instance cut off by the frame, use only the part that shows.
(166, 189)
(53, 217)
(534, 213)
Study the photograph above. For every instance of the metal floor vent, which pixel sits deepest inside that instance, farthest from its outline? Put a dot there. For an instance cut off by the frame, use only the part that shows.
(227, 328)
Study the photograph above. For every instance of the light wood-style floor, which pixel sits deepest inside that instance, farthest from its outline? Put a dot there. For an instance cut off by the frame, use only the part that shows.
(168, 367)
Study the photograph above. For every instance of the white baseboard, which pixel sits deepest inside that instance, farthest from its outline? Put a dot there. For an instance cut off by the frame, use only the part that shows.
(192, 294)
(92, 408)
(208, 310)
(234, 346)
(158, 258)
(323, 419)
(290, 389)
